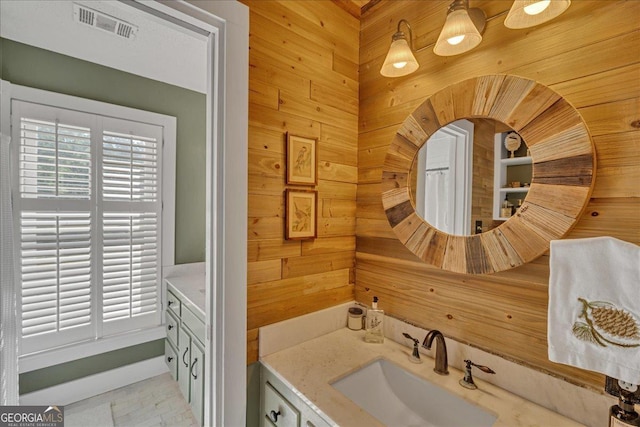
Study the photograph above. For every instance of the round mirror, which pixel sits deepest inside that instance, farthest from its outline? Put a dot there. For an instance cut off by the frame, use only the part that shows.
(563, 167)
(470, 176)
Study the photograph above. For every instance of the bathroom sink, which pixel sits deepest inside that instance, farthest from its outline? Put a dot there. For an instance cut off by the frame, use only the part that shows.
(398, 398)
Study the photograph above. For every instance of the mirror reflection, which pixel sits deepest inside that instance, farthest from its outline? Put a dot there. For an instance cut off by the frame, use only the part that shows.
(465, 180)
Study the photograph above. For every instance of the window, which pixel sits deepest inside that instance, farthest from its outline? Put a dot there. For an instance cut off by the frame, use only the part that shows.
(89, 220)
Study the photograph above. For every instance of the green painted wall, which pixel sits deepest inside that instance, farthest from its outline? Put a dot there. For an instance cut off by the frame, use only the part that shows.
(253, 394)
(29, 66)
(58, 374)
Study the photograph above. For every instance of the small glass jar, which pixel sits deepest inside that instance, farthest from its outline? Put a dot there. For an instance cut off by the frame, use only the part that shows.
(354, 319)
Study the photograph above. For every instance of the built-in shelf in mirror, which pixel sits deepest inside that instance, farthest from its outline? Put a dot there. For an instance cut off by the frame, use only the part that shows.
(512, 178)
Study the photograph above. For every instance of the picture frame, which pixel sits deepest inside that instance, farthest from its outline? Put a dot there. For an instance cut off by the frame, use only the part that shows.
(302, 164)
(301, 213)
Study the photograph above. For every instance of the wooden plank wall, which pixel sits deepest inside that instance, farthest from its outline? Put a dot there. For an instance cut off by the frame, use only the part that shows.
(591, 56)
(303, 79)
(482, 182)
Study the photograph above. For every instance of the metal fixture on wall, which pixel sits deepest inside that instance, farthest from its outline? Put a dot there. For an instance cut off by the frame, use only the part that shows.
(462, 30)
(400, 60)
(529, 13)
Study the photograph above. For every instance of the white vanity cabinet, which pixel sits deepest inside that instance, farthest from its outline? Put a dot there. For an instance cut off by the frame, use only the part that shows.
(282, 407)
(184, 349)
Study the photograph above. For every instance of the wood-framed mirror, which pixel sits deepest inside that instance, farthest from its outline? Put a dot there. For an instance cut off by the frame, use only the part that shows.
(562, 155)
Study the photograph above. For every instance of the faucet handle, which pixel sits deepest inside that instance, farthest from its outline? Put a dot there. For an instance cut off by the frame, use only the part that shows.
(406, 335)
(467, 381)
(483, 368)
(415, 354)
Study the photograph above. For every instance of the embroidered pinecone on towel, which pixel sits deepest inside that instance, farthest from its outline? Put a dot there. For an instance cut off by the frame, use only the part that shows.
(606, 324)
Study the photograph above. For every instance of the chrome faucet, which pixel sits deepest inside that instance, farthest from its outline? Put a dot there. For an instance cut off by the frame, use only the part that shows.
(442, 364)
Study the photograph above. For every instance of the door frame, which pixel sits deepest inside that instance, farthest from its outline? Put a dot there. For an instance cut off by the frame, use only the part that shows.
(227, 23)
(227, 26)
(460, 133)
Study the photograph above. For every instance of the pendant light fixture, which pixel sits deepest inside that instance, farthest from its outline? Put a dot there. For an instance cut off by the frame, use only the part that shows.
(400, 60)
(529, 13)
(462, 30)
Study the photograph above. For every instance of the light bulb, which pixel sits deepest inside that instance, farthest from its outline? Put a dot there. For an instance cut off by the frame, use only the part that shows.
(399, 64)
(455, 40)
(536, 8)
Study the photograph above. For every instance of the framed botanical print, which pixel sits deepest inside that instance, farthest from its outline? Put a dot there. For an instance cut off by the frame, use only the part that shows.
(301, 214)
(302, 165)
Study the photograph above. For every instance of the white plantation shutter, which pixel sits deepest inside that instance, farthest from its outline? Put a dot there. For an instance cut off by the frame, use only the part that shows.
(130, 266)
(56, 278)
(129, 167)
(89, 214)
(55, 160)
(130, 224)
(55, 224)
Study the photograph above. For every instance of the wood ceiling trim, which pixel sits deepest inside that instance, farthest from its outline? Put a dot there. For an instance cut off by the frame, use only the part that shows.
(356, 8)
(350, 6)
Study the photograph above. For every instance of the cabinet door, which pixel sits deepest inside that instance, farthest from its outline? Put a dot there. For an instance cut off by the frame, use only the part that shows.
(184, 361)
(196, 374)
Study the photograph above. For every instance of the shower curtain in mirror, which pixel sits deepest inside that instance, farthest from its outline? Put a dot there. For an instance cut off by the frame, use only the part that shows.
(437, 200)
(8, 313)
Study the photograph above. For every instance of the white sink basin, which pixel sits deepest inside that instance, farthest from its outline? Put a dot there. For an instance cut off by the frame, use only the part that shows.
(400, 399)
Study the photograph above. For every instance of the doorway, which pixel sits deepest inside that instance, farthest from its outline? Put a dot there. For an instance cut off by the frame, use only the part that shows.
(224, 26)
(443, 194)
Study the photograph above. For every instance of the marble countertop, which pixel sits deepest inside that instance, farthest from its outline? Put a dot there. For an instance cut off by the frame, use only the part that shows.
(191, 291)
(310, 367)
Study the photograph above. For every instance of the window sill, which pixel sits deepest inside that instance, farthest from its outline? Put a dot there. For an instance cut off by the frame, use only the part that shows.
(31, 362)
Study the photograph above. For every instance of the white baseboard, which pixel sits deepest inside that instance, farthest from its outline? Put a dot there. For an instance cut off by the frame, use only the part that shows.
(83, 388)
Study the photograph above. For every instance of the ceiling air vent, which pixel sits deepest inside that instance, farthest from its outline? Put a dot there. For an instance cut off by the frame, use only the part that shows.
(102, 21)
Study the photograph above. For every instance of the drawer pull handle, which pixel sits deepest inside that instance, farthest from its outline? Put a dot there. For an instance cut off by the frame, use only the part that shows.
(170, 327)
(169, 359)
(273, 416)
(169, 303)
(195, 377)
(186, 364)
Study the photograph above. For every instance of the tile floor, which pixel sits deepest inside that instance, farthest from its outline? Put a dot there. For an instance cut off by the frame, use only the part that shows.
(153, 402)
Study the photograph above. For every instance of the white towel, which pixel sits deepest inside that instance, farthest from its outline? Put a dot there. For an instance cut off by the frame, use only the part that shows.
(594, 306)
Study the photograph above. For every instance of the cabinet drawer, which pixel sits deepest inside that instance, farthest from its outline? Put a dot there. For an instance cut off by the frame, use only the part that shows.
(172, 329)
(278, 409)
(314, 421)
(194, 324)
(171, 359)
(173, 303)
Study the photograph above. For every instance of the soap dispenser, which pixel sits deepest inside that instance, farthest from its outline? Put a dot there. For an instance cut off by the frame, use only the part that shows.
(623, 414)
(374, 332)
